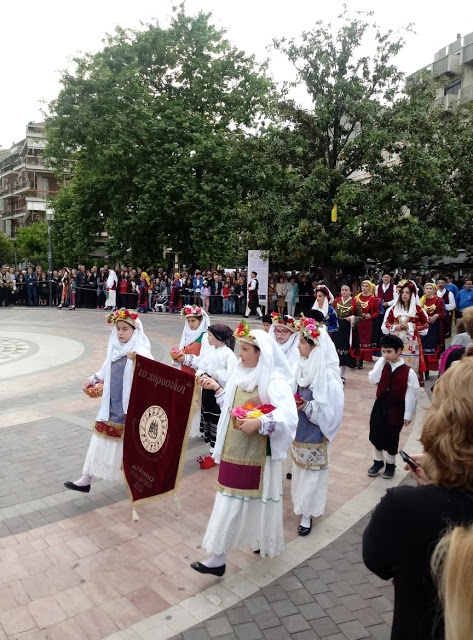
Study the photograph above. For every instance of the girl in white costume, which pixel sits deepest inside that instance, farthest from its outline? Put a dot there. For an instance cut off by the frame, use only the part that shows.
(248, 505)
(105, 453)
(215, 363)
(284, 332)
(320, 414)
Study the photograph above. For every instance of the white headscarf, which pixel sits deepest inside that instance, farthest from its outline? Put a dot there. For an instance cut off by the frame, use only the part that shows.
(191, 335)
(112, 278)
(271, 371)
(321, 373)
(399, 306)
(290, 348)
(328, 300)
(116, 350)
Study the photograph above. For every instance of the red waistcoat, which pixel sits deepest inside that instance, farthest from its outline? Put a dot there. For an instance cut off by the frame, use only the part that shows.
(392, 390)
(388, 295)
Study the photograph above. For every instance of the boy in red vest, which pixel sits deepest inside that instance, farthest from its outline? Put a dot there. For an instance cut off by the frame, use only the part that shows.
(396, 399)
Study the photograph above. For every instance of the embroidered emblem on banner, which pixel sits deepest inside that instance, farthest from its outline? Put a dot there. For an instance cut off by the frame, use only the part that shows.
(153, 428)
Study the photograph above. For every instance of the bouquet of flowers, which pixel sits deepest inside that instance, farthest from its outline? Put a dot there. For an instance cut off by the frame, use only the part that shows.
(176, 353)
(250, 410)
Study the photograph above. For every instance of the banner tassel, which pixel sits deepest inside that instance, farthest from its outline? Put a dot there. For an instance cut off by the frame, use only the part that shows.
(177, 503)
(134, 515)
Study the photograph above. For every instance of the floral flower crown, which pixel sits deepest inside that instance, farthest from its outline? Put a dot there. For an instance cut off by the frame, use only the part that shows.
(282, 318)
(243, 332)
(407, 283)
(308, 328)
(191, 310)
(127, 315)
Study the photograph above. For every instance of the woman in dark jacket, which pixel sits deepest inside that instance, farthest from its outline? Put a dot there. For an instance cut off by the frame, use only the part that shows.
(409, 521)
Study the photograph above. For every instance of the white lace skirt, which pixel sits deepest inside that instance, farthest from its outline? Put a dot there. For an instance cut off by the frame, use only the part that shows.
(309, 490)
(104, 458)
(249, 522)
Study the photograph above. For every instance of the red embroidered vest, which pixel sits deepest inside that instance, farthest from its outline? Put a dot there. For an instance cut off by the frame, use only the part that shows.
(392, 390)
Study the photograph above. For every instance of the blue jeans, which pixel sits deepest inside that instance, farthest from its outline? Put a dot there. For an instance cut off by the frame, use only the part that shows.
(232, 306)
(226, 305)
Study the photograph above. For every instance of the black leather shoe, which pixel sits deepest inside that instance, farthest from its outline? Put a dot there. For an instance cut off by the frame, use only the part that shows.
(378, 465)
(215, 571)
(289, 475)
(304, 531)
(74, 487)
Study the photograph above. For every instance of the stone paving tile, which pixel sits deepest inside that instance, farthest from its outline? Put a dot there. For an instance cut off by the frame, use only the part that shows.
(314, 601)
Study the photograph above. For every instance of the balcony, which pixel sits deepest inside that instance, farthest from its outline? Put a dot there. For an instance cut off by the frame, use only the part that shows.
(447, 103)
(466, 54)
(466, 93)
(449, 65)
(13, 187)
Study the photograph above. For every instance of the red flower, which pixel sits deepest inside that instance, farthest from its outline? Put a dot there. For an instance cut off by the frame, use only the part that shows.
(266, 408)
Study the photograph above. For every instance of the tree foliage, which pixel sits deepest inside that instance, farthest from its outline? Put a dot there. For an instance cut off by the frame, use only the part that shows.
(177, 139)
(395, 166)
(153, 125)
(32, 243)
(7, 249)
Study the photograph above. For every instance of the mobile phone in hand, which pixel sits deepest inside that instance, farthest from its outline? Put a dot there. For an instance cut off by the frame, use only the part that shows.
(408, 460)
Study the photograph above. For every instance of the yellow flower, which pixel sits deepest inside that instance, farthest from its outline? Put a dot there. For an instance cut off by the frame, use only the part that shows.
(256, 413)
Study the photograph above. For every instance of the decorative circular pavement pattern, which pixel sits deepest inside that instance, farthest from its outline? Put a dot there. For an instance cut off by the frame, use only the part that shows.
(12, 349)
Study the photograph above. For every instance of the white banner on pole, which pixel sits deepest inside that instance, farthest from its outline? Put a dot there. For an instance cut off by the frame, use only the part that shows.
(256, 262)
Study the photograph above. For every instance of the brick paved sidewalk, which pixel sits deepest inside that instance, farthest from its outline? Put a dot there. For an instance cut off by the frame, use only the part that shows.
(331, 596)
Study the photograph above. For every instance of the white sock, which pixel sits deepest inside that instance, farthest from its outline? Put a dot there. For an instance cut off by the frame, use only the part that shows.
(83, 481)
(215, 561)
(378, 455)
(389, 458)
(305, 521)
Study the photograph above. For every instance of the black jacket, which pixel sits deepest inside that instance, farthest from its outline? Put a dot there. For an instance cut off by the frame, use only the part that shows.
(398, 543)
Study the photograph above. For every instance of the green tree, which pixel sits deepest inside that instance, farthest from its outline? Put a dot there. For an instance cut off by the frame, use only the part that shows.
(153, 127)
(32, 243)
(361, 114)
(7, 249)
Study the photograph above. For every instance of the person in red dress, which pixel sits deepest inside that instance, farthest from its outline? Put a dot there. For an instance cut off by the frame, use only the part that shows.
(367, 328)
(433, 343)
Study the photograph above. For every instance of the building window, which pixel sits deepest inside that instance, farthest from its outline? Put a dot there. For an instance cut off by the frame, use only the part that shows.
(453, 89)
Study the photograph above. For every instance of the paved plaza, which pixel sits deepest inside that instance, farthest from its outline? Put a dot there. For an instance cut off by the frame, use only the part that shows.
(76, 567)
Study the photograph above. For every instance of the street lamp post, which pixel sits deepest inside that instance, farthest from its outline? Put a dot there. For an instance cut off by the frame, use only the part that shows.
(50, 220)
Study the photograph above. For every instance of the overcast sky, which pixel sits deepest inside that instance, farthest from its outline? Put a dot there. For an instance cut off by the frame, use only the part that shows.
(37, 38)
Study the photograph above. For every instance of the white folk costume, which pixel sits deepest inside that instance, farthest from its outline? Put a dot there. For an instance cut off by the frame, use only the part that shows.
(218, 363)
(191, 339)
(320, 384)
(414, 323)
(248, 510)
(105, 453)
(112, 282)
(290, 347)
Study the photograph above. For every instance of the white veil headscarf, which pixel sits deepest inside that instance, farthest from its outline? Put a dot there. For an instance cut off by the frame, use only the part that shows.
(328, 300)
(191, 335)
(116, 350)
(399, 310)
(321, 373)
(272, 368)
(112, 278)
(290, 348)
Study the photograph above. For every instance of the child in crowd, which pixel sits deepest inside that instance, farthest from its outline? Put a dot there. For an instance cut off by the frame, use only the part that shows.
(233, 300)
(226, 298)
(396, 399)
(105, 453)
(267, 322)
(205, 295)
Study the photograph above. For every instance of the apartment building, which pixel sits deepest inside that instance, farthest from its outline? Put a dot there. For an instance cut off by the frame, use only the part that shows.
(25, 182)
(453, 65)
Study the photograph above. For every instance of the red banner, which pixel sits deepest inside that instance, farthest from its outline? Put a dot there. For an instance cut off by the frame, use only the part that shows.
(155, 438)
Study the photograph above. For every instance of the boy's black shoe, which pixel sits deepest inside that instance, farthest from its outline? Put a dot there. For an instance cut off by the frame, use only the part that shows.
(389, 472)
(376, 468)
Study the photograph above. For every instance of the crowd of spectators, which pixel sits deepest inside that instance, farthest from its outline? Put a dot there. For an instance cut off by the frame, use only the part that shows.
(219, 291)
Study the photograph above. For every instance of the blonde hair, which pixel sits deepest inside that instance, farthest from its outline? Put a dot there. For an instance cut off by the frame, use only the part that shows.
(452, 566)
(447, 435)
(467, 317)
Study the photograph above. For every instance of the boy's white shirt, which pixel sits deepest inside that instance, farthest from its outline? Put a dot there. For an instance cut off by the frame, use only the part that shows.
(412, 390)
